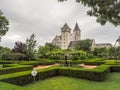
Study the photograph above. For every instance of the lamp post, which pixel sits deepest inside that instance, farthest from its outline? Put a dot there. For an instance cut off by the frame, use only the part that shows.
(34, 73)
(66, 57)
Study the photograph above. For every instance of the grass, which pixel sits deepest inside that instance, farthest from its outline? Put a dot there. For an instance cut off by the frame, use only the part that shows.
(7, 86)
(67, 83)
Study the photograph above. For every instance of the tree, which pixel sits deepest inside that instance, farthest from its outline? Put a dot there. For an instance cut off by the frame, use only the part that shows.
(117, 49)
(52, 47)
(31, 44)
(84, 45)
(20, 48)
(49, 47)
(4, 50)
(104, 10)
(117, 41)
(3, 25)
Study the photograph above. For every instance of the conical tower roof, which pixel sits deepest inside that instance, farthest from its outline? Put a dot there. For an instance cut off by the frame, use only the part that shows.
(65, 27)
(76, 27)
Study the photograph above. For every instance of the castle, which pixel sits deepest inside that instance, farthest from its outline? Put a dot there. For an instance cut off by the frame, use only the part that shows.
(67, 40)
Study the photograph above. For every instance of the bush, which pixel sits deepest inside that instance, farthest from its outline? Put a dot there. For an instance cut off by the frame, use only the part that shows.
(94, 74)
(36, 63)
(1, 66)
(10, 65)
(115, 69)
(13, 56)
(93, 63)
(54, 57)
(19, 68)
(22, 78)
(90, 56)
(6, 62)
(75, 57)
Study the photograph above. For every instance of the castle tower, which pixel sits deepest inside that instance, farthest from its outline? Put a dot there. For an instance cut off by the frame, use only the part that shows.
(65, 35)
(76, 33)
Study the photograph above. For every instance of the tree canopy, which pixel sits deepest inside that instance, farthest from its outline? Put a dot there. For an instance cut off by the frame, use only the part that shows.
(3, 25)
(31, 43)
(84, 45)
(104, 10)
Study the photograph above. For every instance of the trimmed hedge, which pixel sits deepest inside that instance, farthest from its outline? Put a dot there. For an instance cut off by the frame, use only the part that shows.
(93, 63)
(6, 62)
(10, 65)
(25, 77)
(36, 63)
(98, 74)
(115, 68)
(19, 68)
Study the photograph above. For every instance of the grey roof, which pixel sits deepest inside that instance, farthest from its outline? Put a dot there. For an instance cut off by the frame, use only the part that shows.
(109, 44)
(65, 27)
(76, 27)
(72, 44)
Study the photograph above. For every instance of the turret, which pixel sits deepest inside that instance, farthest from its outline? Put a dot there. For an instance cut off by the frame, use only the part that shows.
(77, 33)
(65, 34)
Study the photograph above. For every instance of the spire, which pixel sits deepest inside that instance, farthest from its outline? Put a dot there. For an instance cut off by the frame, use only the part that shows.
(65, 27)
(76, 27)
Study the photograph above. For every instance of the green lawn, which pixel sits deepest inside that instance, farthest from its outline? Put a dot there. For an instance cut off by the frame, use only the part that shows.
(7, 86)
(67, 83)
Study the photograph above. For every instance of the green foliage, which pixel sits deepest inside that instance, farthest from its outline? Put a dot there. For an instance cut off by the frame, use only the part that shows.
(84, 45)
(36, 63)
(1, 66)
(43, 51)
(104, 10)
(15, 68)
(68, 83)
(17, 78)
(7, 86)
(31, 44)
(3, 25)
(13, 56)
(97, 74)
(20, 48)
(75, 57)
(3, 50)
(115, 68)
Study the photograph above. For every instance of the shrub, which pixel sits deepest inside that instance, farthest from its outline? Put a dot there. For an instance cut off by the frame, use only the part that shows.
(54, 57)
(90, 56)
(19, 68)
(10, 65)
(13, 56)
(115, 69)
(95, 74)
(36, 63)
(22, 78)
(1, 66)
(75, 57)
(6, 62)
(93, 63)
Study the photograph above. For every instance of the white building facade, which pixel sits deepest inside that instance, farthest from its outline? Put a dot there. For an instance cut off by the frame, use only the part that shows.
(63, 40)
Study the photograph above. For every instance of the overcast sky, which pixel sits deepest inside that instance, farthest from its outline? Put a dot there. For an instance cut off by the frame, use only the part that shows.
(44, 18)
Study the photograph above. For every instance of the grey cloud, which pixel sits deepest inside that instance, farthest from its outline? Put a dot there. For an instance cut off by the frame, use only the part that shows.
(44, 18)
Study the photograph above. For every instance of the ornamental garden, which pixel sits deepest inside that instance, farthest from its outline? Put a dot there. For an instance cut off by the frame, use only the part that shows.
(57, 69)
